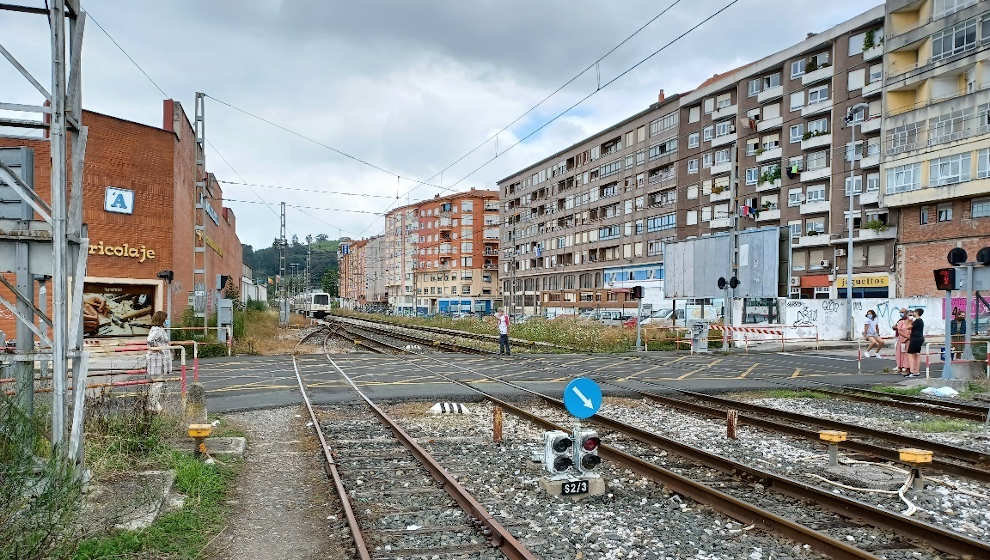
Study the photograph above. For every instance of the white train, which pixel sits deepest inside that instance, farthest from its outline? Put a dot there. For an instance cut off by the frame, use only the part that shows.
(313, 304)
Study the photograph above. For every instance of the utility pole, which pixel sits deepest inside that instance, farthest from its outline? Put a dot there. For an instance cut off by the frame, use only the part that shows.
(199, 215)
(279, 290)
(309, 256)
(734, 232)
(850, 114)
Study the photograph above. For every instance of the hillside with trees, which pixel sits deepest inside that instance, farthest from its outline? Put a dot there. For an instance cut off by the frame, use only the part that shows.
(323, 264)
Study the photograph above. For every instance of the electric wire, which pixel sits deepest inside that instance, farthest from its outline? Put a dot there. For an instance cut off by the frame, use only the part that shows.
(308, 207)
(305, 189)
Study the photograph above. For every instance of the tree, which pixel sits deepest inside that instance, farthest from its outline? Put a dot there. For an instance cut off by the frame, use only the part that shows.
(295, 240)
(320, 237)
(329, 282)
(232, 292)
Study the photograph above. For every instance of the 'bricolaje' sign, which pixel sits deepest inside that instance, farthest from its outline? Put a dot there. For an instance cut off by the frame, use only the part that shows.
(141, 253)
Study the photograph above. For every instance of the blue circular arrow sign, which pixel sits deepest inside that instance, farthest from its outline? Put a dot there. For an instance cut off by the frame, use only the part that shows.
(582, 397)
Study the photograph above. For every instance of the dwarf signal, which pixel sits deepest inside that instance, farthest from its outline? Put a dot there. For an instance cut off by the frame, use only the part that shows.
(557, 455)
(586, 444)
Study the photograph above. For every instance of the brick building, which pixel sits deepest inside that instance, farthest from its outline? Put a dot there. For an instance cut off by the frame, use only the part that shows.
(138, 196)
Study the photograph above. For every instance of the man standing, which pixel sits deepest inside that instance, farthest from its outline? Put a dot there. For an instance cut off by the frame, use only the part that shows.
(503, 333)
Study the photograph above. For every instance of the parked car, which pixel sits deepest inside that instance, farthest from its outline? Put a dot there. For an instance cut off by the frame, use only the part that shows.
(614, 318)
(664, 318)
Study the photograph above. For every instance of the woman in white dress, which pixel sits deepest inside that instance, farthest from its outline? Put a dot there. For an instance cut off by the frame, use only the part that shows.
(159, 360)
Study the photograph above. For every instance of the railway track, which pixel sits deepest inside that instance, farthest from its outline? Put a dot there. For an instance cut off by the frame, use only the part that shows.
(447, 520)
(366, 331)
(822, 509)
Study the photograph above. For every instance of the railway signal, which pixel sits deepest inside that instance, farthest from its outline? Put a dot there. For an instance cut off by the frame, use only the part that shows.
(557, 452)
(586, 444)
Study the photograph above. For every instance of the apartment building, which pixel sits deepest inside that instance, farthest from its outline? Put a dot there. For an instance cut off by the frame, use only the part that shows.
(399, 257)
(936, 162)
(780, 125)
(374, 271)
(592, 214)
(353, 262)
(457, 253)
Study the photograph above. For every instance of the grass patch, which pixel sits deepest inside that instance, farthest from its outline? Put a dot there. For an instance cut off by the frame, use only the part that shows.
(129, 439)
(795, 394)
(940, 426)
(909, 391)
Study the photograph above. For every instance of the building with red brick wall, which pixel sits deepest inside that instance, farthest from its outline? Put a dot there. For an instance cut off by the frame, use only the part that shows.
(139, 201)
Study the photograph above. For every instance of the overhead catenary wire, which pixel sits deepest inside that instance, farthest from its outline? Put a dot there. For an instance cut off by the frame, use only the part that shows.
(305, 189)
(308, 207)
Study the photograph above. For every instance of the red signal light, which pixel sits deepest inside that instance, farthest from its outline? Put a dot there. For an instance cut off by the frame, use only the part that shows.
(592, 443)
(945, 279)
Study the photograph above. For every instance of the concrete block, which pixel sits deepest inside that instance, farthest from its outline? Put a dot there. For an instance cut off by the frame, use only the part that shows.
(596, 487)
(226, 446)
(130, 501)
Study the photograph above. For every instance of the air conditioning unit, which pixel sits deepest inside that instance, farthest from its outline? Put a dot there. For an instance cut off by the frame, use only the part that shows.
(824, 263)
(795, 281)
(840, 252)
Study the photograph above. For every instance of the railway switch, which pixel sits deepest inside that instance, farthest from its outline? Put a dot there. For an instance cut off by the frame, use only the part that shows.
(557, 452)
(586, 447)
(833, 438)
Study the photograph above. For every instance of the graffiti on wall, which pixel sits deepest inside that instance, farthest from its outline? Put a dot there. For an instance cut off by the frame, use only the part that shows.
(828, 316)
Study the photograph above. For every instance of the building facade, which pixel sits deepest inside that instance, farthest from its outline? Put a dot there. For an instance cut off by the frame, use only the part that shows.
(936, 162)
(766, 144)
(457, 253)
(353, 273)
(139, 202)
(400, 241)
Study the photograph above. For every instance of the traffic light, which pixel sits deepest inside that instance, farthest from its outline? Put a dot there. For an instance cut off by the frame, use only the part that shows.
(957, 256)
(721, 283)
(586, 443)
(557, 451)
(945, 279)
(733, 282)
(983, 256)
(637, 292)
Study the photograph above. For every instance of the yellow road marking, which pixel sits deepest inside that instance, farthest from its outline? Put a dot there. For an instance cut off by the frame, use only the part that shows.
(748, 371)
(641, 372)
(692, 372)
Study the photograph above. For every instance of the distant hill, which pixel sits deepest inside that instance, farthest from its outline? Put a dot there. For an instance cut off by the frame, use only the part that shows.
(264, 262)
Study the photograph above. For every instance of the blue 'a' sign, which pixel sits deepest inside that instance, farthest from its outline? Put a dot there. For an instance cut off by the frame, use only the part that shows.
(119, 201)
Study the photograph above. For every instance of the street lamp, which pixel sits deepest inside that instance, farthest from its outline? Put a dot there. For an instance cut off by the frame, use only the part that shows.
(850, 113)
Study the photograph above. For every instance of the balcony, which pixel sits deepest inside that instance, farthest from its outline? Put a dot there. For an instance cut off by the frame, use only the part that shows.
(716, 223)
(724, 112)
(770, 94)
(816, 174)
(768, 186)
(817, 141)
(769, 155)
(725, 194)
(720, 168)
(769, 124)
(768, 215)
(931, 193)
(817, 75)
(869, 161)
(869, 197)
(870, 125)
(873, 53)
(818, 240)
(816, 108)
(867, 234)
(869, 90)
(724, 139)
(815, 207)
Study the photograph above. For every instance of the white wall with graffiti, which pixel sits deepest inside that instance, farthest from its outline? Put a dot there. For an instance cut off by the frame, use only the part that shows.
(826, 318)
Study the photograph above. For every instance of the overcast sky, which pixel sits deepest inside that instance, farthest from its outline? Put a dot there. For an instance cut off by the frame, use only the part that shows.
(409, 86)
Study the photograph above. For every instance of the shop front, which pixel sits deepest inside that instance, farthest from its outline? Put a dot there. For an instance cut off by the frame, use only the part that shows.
(865, 286)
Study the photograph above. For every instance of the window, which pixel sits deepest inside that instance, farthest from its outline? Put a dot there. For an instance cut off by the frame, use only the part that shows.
(706, 214)
(817, 160)
(709, 132)
(692, 166)
(904, 178)
(818, 94)
(945, 212)
(797, 131)
(754, 87)
(947, 127)
(794, 197)
(641, 157)
(903, 138)
(815, 193)
(954, 40)
(923, 215)
(876, 73)
(692, 217)
(692, 192)
(857, 182)
(630, 160)
(797, 68)
(654, 247)
(752, 175)
(943, 8)
(856, 44)
(949, 170)
(771, 81)
(795, 228)
(981, 208)
(706, 160)
(709, 105)
(722, 156)
(872, 182)
(724, 127)
(694, 114)
(665, 221)
(665, 122)
(752, 145)
(694, 140)
(818, 126)
(723, 100)
(857, 79)
(983, 160)
(797, 100)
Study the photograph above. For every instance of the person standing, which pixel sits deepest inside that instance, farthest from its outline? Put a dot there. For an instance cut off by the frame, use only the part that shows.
(158, 361)
(915, 342)
(902, 333)
(871, 332)
(957, 330)
(503, 333)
